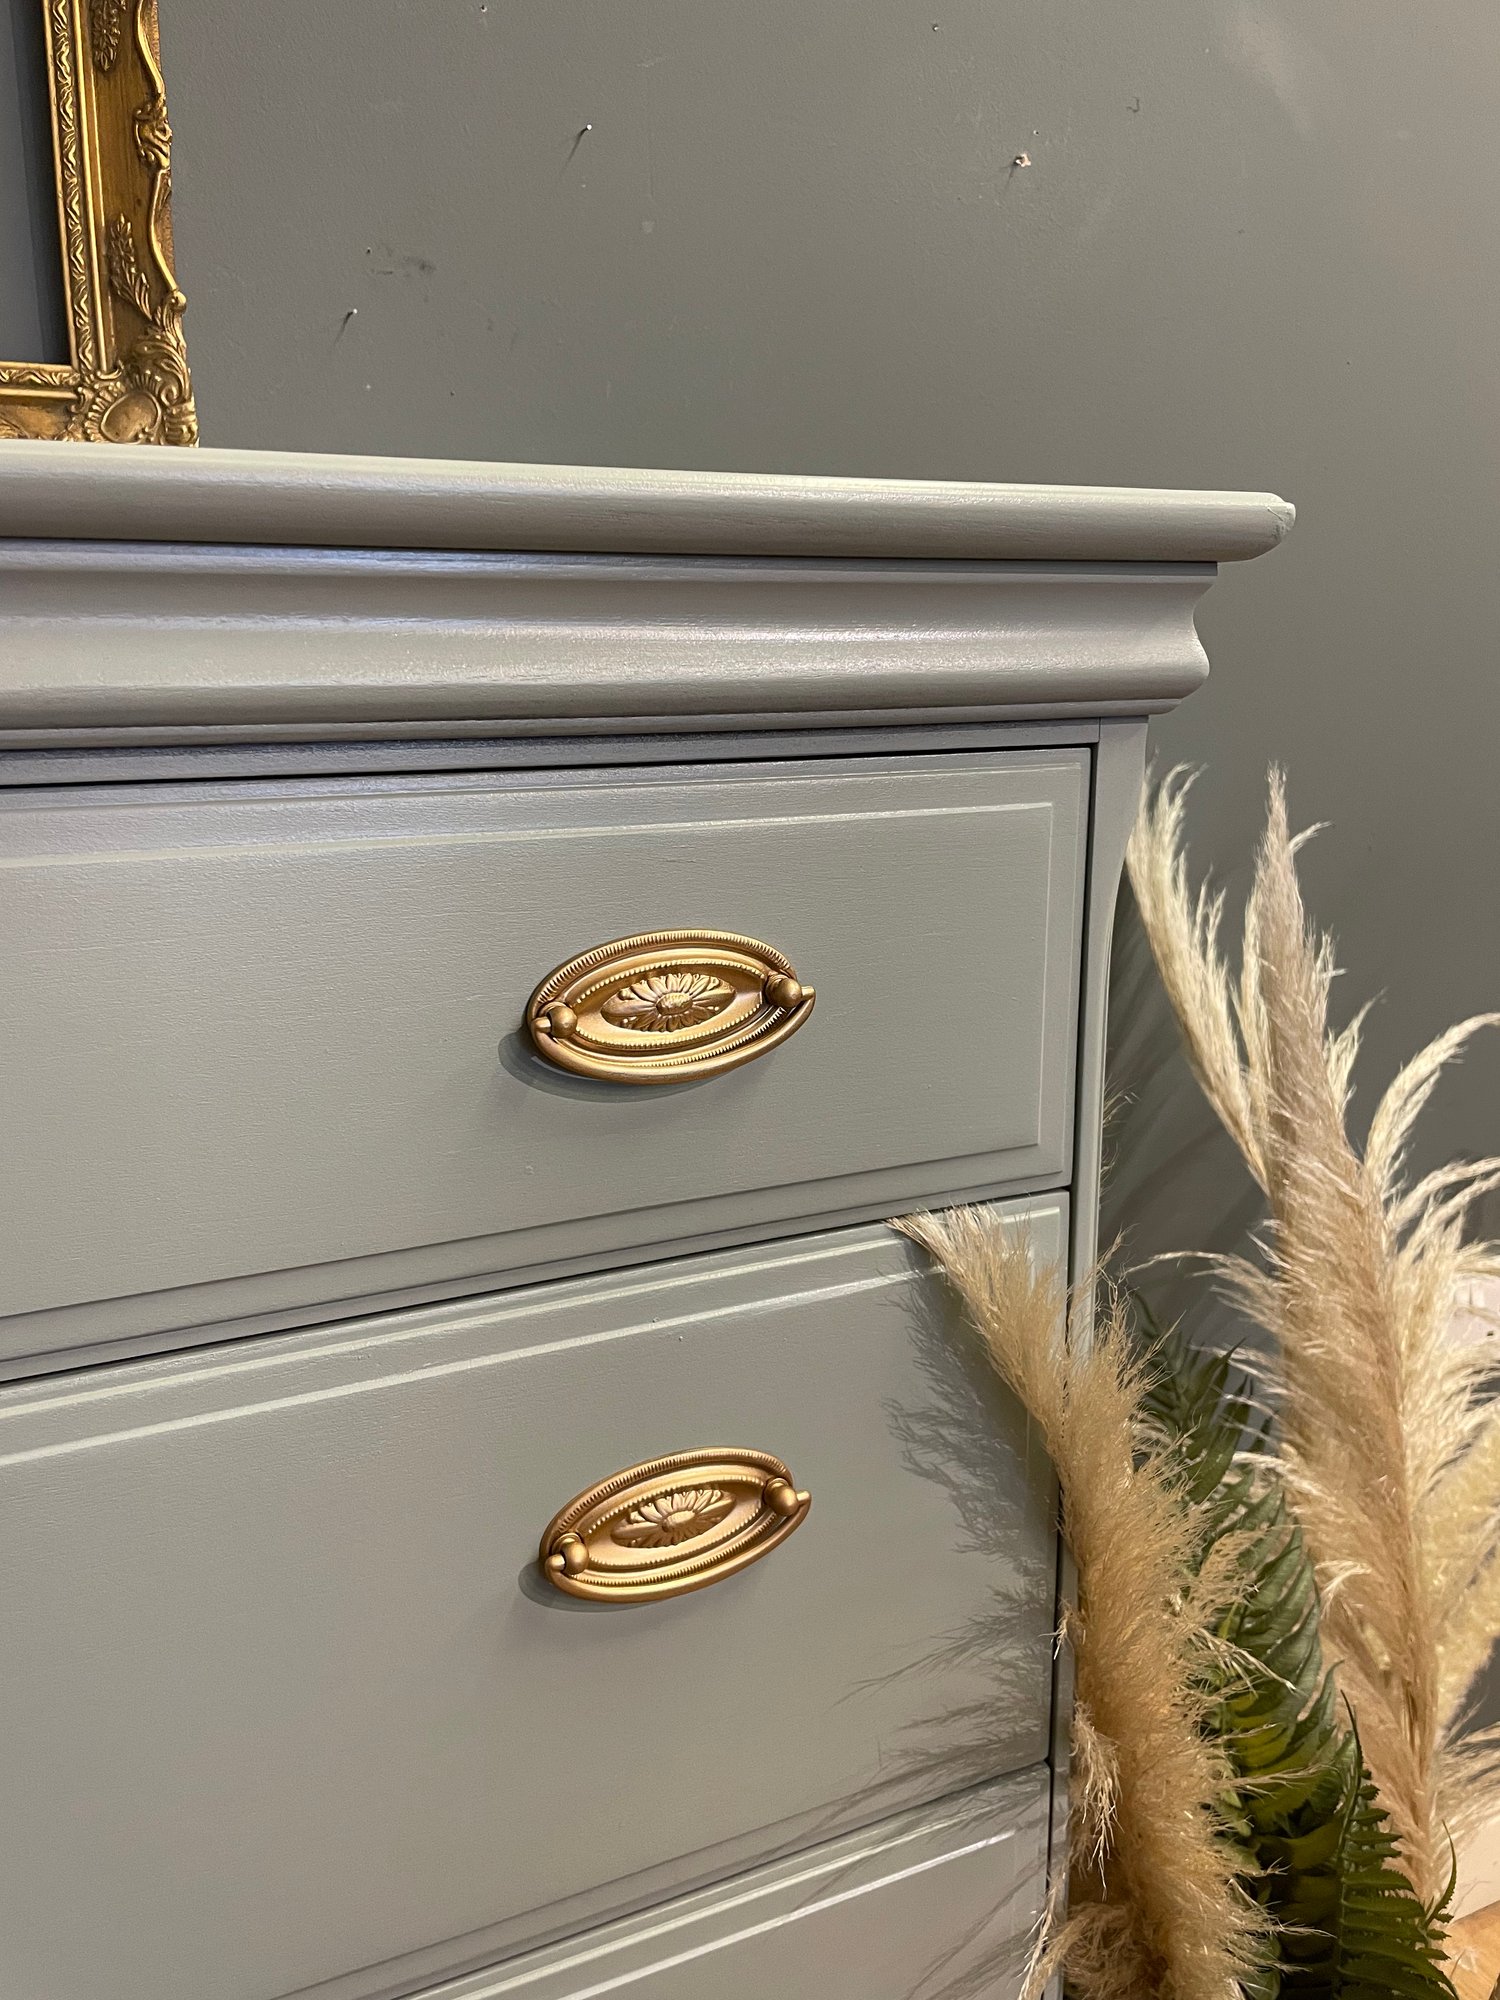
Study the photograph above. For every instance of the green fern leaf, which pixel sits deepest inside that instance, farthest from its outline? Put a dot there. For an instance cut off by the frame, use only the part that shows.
(1319, 1853)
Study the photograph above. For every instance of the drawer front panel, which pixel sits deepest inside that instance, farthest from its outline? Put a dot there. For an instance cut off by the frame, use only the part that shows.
(284, 1693)
(264, 1044)
(909, 1910)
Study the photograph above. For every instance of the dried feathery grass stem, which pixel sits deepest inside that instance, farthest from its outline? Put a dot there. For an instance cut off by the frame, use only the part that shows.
(1390, 1454)
(1157, 1913)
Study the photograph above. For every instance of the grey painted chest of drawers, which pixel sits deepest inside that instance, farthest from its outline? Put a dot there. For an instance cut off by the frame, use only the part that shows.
(485, 951)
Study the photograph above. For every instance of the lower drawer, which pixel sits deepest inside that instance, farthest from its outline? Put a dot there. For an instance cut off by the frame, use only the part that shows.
(285, 1695)
(938, 1902)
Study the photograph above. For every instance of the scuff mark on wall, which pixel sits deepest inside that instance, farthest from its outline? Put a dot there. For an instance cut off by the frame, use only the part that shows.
(399, 263)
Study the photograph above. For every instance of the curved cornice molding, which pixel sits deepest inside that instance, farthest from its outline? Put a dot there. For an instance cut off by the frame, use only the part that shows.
(311, 500)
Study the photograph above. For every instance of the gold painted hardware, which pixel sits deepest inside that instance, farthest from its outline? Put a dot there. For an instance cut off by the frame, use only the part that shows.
(667, 1005)
(125, 380)
(672, 1525)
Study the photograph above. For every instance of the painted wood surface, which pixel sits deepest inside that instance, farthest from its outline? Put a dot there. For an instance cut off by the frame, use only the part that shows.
(911, 1908)
(137, 644)
(127, 493)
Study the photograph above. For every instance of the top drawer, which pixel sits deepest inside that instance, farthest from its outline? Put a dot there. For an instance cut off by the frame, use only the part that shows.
(264, 1043)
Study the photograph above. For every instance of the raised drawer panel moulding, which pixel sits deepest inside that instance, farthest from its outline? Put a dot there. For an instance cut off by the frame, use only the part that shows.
(918, 1903)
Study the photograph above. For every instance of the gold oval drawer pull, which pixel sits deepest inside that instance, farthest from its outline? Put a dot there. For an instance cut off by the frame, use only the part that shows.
(667, 1005)
(672, 1525)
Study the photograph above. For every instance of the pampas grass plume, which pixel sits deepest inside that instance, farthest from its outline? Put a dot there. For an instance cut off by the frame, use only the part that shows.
(1390, 1453)
(1156, 1911)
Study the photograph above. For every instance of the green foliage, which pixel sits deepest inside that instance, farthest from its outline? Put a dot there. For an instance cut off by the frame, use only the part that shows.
(1319, 1853)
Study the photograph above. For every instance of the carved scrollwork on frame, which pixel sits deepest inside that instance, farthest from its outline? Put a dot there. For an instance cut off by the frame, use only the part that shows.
(127, 381)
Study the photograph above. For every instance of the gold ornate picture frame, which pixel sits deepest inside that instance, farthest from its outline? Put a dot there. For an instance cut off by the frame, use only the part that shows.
(127, 381)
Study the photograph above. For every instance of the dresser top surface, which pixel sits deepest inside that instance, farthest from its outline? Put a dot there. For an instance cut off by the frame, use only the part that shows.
(125, 493)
